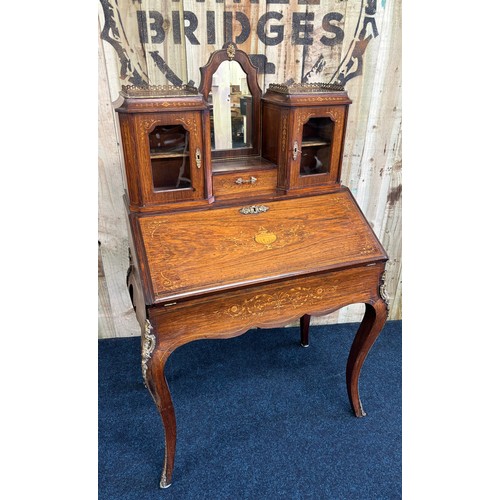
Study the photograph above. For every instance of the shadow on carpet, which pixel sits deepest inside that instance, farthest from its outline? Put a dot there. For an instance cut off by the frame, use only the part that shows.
(257, 417)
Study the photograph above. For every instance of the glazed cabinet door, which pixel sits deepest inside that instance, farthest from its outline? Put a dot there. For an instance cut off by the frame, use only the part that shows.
(317, 146)
(170, 152)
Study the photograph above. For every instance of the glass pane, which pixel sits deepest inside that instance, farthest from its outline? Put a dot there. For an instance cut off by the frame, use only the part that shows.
(169, 150)
(230, 105)
(317, 136)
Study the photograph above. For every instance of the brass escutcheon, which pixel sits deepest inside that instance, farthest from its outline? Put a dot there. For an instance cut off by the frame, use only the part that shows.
(254, 209)
(198, 157)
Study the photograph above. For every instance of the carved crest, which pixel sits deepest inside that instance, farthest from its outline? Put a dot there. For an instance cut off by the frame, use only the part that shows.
(231, 51)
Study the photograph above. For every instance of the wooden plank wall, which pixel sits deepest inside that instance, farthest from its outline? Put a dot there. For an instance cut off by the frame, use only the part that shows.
(355, 42)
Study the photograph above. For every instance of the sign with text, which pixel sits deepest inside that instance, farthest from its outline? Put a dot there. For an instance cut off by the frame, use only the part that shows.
(330, 37)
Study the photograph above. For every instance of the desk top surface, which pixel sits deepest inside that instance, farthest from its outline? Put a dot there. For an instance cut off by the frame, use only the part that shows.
(192, 253)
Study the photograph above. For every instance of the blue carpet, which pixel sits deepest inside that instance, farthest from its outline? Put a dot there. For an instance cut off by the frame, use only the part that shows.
(257, 417)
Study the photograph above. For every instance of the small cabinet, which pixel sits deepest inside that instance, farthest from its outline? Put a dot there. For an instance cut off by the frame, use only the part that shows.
(165, 156)
(307, 138)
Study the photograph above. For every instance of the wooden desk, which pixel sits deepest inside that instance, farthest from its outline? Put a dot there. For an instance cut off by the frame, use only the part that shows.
(216, 273)
(253, 236)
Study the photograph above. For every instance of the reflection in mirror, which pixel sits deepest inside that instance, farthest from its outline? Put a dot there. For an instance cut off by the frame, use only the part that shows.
(230, 103)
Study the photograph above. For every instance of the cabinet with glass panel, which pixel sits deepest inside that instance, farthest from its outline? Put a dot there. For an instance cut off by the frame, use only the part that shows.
(311, 120)
(163, 134)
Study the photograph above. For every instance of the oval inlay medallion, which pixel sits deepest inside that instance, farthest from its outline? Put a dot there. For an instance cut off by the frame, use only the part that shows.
(265, 238)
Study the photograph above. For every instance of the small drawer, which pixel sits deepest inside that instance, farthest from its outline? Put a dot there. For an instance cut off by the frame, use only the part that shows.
(249, 182)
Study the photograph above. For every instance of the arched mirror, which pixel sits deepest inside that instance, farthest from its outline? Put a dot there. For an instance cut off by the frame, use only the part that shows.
(229, 85)
(230, 104)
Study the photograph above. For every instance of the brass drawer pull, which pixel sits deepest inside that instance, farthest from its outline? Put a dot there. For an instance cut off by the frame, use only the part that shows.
(254, 209)
(252, 180)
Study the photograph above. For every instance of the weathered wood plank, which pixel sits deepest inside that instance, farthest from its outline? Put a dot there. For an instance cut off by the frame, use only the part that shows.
(323, 57)
(106, 325)
(112, 228)
(287, 56)
(372, 159)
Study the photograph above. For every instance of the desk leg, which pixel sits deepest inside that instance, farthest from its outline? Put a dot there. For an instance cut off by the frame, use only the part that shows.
(304, 330)
(158, 387)
(372, 324)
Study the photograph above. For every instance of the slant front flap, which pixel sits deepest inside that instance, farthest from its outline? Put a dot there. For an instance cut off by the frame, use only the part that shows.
(190, 253)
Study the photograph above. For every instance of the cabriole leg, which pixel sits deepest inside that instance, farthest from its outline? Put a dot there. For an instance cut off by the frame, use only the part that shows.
(372, 324)
(304, 330)
(153, 364)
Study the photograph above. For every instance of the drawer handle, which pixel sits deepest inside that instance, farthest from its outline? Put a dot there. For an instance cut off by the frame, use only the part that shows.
(197, 157)
(252, 180)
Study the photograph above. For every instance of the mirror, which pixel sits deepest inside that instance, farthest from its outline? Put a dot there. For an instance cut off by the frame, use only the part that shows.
(230, 103)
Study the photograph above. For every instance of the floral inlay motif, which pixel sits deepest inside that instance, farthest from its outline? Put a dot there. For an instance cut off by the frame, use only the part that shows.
(261, 303)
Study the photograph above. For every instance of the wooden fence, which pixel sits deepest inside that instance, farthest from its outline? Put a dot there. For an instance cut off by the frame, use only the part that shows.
(357, 43)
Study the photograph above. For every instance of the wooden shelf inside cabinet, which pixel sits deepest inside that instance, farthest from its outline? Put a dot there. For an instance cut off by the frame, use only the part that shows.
(311, 143)
(236, 224)
(168, 155)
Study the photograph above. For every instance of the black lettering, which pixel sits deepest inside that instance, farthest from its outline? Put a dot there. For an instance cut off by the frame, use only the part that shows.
(245, 27)
(371, 7)
(277, 29)
(176, 27)
(143, 29)
(368, 21)
(191, 27)
(262, 64)
(164, 68)
(300, 25)
(331, 28)
(155, 26)
(228, 27)
(211, 27)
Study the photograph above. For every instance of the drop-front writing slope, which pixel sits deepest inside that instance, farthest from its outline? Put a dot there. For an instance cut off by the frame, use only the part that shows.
(237, 218)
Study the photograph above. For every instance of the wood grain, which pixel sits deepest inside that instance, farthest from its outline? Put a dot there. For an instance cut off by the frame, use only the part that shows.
(292, 237)
(267, 305)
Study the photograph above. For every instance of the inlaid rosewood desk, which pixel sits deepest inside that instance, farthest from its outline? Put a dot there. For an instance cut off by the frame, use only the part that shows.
(258, 235)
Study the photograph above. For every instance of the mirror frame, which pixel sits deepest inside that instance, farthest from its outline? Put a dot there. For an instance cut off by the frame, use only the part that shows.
(229, 52)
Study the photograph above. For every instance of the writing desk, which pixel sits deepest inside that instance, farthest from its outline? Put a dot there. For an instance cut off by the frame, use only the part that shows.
(217, 273)
(257, 235)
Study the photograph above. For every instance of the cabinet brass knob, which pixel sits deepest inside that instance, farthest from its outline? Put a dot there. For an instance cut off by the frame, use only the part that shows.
(252, 180)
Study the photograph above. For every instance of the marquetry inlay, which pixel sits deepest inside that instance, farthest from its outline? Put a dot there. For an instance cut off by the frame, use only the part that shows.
(289, 299)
